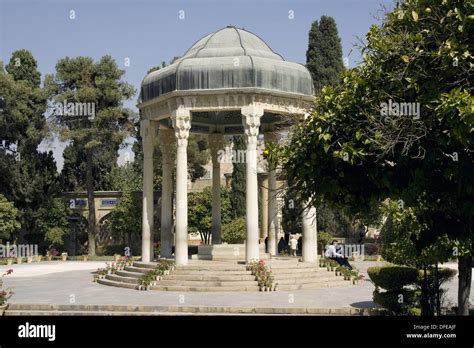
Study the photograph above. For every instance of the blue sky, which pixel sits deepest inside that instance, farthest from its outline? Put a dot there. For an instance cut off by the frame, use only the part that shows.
(148, 32)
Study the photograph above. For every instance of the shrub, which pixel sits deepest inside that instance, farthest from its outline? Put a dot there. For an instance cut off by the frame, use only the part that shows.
(324, 238)
(392, 277)
(400, 301)
(234, 232)
(370, 249)
(444, 274)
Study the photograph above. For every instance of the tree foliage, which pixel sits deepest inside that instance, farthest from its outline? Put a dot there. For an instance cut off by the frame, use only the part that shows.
(355, 155)
(8, 219)
(200, 211)
(324, 54)
(81, 80)
(27, 177)
(238, 180)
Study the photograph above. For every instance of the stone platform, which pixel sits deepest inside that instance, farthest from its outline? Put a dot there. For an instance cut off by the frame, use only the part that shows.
(228, 276)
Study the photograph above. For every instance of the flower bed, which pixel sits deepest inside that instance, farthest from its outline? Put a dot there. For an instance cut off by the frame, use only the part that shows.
(5, 294)
(150, 278)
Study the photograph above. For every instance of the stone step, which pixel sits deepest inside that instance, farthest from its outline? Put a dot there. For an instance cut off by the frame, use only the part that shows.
(91, 313)
(129, 274)
(26, 309)
(305, 280)
(214, 277)
(220, 268)
(181, 288)
(299, 271)
(314, 285)
(137, 269)
(291, 264)
(116, 284)
(150, 265)
(119, 278)
(202, 283)
(209, 272)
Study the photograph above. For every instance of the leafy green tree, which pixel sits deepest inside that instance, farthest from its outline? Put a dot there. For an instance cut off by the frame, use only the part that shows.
(355, 153)
(81, 80)
(8, 219)
(234, 232)
(28, 178)
(324, 54)
(53, 222)
(23, 67)
(23, 104)
(126, 178)
(238, 179)
(73, 174)
(200, 212)
(126, 219)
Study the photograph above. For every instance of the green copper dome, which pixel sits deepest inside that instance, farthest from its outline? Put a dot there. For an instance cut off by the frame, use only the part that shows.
(230, 58)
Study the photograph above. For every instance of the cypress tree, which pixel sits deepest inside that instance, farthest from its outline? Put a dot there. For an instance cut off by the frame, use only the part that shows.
(237, 196)
(324, 54)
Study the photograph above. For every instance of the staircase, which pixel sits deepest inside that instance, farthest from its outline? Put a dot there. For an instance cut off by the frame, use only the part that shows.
(228, 276)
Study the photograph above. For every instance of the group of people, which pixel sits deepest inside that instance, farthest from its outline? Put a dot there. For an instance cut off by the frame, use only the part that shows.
(334, 251)
(292, 245)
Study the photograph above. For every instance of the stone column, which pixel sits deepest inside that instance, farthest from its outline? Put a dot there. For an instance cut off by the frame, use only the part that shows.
(309, 251)
(216, 143)
(182, 124)
(264, 204)
(166, 137)
(251, 121)
(147, 132)
(273, 227)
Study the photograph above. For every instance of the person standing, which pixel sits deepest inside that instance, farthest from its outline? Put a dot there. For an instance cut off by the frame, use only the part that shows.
(293, 246)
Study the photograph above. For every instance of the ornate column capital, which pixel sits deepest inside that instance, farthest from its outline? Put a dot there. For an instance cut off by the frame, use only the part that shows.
(181, 119)
(251, 122)
(166, 137)
(147, 132)
(216, 143)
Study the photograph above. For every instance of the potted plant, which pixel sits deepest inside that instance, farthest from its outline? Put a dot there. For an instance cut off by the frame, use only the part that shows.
(29, 259)
(39, 258)
(19, 260)
(85, 257)
(357, 277)
(100, 274)
(117, 257)
(64, 256)
(9, 261)
(5, 294)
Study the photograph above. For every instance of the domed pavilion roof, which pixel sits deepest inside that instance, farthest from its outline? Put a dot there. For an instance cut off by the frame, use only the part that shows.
(230, 58)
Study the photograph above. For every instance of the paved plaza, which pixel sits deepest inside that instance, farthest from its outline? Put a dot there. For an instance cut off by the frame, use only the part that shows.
(66, 283)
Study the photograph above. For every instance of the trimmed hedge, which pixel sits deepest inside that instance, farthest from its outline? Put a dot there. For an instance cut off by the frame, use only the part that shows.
(444, 274)
(392, 277)
(397, 301)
